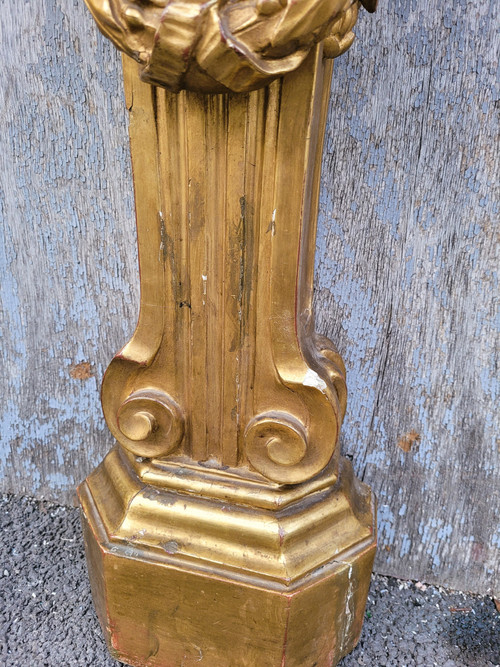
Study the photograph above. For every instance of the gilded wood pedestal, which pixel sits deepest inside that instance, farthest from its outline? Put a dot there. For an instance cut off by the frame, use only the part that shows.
(224, 528)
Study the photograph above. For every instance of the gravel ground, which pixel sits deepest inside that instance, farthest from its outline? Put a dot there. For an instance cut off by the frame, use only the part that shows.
(47, 618)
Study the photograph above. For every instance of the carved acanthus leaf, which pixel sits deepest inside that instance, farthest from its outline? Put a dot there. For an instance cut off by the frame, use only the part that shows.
(229, 45)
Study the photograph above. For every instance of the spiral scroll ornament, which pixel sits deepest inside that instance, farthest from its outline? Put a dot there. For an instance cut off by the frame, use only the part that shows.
(224, 45)
(278, 446)
(151, 423)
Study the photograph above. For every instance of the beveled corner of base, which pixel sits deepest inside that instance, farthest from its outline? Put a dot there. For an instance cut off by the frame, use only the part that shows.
(161, 605)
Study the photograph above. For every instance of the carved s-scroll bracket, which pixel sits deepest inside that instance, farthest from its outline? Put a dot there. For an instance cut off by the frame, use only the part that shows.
(294, 444)
(300, 395)
(138, 398)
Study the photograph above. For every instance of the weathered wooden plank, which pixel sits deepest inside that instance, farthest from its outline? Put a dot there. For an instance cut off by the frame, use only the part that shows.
(406, 266)
(407, 281)
(68, 292)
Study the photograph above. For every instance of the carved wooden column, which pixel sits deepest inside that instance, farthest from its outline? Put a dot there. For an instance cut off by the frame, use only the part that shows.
(224, 528)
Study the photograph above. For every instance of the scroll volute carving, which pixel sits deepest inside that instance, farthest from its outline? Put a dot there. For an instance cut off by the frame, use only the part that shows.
(142, 415)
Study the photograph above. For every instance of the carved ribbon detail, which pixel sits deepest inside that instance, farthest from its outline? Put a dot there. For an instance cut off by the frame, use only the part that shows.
(225, 45)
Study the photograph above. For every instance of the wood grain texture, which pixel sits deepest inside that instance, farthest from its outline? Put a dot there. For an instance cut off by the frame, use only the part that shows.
(407, 284)
(406, 270)
(67, 257)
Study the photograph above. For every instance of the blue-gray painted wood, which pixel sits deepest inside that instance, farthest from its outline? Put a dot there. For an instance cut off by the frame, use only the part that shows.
(406, 266)
(67, 257)
(407, 281)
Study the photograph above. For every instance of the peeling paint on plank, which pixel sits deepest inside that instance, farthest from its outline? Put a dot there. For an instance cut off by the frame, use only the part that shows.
(407, 278)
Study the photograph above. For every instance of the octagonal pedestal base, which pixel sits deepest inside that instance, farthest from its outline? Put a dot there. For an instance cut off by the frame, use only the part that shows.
(160, 605)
